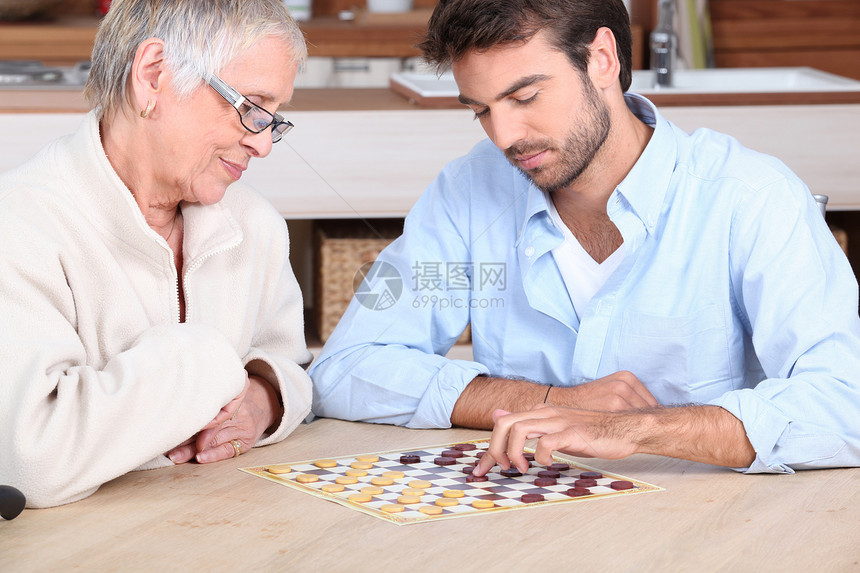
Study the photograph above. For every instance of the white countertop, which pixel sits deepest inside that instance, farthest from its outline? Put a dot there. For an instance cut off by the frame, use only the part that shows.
(349, 164)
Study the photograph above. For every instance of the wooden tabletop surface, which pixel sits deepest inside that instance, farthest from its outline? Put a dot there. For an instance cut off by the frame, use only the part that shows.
(218, 518)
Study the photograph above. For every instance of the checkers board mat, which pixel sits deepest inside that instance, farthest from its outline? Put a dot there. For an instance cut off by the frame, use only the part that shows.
(405, 492)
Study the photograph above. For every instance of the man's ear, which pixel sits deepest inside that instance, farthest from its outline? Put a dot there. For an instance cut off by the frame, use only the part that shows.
(604, 67)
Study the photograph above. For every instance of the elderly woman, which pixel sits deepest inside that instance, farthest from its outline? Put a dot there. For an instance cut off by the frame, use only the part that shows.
(149, 313)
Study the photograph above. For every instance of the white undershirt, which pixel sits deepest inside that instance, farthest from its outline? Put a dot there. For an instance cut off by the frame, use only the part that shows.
(583, 276)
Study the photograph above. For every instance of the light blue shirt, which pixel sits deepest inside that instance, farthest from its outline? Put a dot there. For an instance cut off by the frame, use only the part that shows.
(732, 292)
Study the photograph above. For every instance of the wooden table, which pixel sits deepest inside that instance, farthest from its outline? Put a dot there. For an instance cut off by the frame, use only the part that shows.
(217, 518)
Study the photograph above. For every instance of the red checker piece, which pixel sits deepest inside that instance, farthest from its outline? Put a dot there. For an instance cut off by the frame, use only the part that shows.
(531, 497)
(467, 469)
(479, 454)
(559, 467)
(549, 474)
(578, 491)
(511, 472)
(444, 461)
(410, 459)
(545, 481)
(591, 475)
(471, 479)
(452, 454)
(465, 447)
(585, 483)
(529, 456)
(621, 484)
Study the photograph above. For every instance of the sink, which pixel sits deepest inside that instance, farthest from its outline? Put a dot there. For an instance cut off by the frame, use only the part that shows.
(745, 80)
(714, 86)
(425, 85)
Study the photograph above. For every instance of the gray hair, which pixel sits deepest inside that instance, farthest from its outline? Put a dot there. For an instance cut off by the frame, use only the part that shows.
(200, 38)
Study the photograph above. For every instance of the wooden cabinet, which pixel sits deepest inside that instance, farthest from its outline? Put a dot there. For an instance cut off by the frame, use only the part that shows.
(67, 41)
(65, 35)
(823, 34)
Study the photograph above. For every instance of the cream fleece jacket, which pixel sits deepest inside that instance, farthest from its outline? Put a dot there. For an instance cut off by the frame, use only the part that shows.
(97, 375)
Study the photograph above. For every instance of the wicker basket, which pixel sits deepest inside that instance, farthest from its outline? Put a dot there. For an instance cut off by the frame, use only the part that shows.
(341, 248)
(21, 9)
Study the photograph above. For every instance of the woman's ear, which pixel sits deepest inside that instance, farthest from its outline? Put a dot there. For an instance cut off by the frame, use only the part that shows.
(146, 75)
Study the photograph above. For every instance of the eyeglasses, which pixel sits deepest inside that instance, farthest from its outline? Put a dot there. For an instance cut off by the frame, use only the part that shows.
(254, 118)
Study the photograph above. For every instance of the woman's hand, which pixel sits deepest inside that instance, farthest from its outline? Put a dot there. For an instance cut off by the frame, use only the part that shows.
(236, 428)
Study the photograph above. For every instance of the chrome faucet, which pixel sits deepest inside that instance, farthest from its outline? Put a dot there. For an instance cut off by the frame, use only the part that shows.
(663, 43)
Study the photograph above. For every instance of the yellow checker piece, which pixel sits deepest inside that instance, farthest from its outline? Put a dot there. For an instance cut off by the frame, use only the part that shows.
(279, 469)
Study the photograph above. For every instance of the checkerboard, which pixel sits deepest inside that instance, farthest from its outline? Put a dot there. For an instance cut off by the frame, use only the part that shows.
(505, 493)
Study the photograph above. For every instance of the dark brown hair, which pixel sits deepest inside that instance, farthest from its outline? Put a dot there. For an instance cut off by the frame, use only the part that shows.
(459, 26)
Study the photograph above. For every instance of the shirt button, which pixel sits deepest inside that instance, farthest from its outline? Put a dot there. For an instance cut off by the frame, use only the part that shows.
(530, 251)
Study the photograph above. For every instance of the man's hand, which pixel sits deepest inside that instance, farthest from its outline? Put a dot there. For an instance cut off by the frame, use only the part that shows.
(474, 408)
(619, 391)
(582, 433)
(707, 434)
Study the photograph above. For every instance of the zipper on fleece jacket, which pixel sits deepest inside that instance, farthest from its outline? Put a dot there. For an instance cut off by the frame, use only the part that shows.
(195, 264)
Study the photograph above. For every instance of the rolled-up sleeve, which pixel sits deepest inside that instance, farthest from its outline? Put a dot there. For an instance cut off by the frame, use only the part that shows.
(799, 295)
(386, 363)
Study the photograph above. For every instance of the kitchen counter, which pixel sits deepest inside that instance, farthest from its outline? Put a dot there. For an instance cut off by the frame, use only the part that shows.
(369, 153)
(304, 99)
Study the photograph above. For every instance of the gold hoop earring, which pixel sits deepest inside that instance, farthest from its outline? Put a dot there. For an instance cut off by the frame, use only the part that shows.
(145, 113)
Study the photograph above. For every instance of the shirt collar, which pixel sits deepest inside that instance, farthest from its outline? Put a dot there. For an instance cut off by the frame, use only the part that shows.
(645, 186)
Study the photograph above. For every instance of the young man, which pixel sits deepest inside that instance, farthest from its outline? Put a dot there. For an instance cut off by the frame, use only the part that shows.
(660, 292)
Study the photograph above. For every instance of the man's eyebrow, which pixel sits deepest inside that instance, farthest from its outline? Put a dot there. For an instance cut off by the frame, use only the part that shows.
(512, 89)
